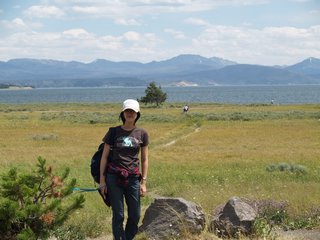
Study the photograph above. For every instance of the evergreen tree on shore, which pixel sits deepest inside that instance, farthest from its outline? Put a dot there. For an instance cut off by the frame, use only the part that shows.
(154, 95)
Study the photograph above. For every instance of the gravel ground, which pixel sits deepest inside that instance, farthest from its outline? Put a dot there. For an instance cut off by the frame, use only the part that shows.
(300, 235)
(281, 235)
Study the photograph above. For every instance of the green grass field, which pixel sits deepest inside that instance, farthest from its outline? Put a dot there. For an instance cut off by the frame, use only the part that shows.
(212, 153)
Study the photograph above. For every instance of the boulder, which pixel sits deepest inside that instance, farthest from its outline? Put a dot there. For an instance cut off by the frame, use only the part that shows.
(236, 217)
(172, 217)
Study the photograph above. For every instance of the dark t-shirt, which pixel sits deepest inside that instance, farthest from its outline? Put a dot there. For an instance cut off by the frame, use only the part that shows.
(126, 147)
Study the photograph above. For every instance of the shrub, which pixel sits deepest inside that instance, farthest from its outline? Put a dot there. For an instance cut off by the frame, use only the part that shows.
(69, 233)
(45, 137)
(272, 215)
(35, 204)
(79, 117)
(285, 167)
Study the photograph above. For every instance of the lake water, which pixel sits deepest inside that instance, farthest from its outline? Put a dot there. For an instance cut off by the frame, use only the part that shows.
(218, 94)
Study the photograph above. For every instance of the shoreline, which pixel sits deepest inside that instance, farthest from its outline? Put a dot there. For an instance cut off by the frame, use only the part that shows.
(14, 87)
(275, 95)
(18, 88)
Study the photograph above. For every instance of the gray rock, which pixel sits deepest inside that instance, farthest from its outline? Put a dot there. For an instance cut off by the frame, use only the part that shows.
(235, 217)
(172, 217)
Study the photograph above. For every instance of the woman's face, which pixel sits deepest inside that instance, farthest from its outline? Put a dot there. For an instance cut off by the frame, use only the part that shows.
(130, 115)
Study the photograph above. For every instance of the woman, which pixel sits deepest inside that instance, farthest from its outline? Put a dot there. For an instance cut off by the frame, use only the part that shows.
(121, 177)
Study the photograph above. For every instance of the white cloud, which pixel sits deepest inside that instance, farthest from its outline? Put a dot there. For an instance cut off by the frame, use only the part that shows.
(270, 46)
(109, 43)
(189, 4)
(42, 11)
(127, 22)
(15, 24)
(132, 36)
(18, 24)
(299, 1)
(109, 10)
(315, 12)
(78, 33)
(176, 34)
(87, 10)
(197, 21)
(79, 44)
(141, 34)
(136, 8)
(73, 44)
(267, 46)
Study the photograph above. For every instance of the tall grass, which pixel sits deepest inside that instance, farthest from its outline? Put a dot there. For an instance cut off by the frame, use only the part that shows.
(212, 153)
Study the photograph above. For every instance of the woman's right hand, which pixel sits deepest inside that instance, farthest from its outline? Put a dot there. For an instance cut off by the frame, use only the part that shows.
(103, 188)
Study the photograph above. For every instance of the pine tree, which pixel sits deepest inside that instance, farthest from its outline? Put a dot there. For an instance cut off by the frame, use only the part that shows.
(153, 95)
(34, 204)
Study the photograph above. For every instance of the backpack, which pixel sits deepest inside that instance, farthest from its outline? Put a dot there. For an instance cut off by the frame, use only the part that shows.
(96, 158)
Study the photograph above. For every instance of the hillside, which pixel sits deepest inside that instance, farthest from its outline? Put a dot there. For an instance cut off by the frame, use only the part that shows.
(182, 70)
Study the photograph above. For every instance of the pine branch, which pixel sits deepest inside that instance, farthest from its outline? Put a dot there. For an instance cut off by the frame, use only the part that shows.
(32, 204)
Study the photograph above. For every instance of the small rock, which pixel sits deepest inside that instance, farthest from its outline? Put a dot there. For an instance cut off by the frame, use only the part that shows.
(172, 217)
(235, 217)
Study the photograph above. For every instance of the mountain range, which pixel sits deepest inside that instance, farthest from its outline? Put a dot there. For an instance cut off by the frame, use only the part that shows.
(182, 70)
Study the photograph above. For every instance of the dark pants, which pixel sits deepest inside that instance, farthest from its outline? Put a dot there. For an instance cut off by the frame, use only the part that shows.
(131, 194)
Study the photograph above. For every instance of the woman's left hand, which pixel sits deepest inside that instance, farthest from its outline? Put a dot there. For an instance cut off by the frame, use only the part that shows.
(143, 189)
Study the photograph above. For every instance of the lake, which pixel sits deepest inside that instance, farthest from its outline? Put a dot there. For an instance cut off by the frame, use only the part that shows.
(298, 94)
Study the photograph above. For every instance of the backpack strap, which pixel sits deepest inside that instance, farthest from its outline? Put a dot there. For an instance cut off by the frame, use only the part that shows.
(112, 136)
(112, 141)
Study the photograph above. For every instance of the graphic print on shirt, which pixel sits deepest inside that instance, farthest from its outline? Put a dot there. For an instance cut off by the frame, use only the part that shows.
(129, 142)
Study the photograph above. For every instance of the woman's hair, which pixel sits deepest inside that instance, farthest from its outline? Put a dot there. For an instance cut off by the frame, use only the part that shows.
(121, 116)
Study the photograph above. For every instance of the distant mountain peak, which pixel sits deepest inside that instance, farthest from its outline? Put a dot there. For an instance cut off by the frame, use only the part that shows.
(188, 58)
(100, 60)
(223, 61)
(310, 66)
(193, 59)
(313, 60)
(181, 70)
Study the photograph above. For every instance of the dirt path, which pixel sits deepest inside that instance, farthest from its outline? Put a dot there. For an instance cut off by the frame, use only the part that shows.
(182, 137)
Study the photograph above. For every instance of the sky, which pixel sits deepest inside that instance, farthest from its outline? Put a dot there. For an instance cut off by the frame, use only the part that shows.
(264, 32)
